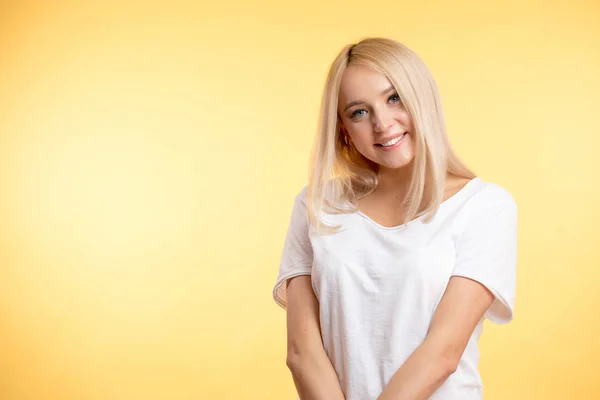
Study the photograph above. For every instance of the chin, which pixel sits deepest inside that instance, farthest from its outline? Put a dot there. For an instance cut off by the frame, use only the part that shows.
(396, 164)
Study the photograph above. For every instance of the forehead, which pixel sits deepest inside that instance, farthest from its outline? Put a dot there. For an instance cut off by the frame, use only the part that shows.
(360, 83)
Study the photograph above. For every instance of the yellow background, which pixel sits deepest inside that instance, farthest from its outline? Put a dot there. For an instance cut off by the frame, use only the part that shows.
(150, 152)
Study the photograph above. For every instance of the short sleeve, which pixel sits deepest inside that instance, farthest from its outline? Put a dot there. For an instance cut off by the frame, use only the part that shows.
(297, 255)
(487, 252)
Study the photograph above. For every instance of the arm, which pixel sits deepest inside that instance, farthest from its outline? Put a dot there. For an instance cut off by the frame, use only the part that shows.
(463, 305)
(313, 374)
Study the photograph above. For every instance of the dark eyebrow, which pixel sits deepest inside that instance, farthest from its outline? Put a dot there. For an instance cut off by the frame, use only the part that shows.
(356, 102)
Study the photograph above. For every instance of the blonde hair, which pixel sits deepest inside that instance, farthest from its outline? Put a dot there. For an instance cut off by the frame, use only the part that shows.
(339, 175)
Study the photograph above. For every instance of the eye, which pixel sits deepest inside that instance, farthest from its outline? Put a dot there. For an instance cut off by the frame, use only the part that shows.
(356, 114)
(394, 98)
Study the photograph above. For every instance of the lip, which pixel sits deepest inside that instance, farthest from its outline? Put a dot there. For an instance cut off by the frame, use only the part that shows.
(384, 140)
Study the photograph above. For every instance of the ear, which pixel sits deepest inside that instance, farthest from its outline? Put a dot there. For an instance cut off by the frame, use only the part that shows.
(343, 130)
(345, 136)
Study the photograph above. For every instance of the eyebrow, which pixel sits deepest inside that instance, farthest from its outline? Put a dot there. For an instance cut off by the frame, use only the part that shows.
(356, 102)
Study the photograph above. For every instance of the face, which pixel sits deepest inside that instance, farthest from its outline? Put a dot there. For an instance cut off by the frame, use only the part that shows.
(373, 117)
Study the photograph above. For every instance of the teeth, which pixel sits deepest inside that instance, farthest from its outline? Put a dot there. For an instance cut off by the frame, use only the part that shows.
(392, 142)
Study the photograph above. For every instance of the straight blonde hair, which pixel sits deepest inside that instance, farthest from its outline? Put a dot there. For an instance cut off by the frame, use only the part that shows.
(339, 175)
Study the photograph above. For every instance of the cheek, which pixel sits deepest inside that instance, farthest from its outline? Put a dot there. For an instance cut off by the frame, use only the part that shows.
(359, 128)
(404, 118)
(361, 133)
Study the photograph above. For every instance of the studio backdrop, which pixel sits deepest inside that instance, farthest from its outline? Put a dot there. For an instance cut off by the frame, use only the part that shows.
(150, 153)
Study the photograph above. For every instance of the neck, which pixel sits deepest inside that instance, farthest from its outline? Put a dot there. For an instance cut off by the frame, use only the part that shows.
(394, 182)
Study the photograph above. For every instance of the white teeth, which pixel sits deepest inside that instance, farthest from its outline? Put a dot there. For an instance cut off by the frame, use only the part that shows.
(392, 142)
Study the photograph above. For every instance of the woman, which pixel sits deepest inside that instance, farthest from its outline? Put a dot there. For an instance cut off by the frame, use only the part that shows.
(396, 252)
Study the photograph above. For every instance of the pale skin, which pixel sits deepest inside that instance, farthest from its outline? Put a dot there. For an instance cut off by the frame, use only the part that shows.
(371, 112)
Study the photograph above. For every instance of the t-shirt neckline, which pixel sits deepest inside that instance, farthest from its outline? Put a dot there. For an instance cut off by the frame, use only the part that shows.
(443, 204)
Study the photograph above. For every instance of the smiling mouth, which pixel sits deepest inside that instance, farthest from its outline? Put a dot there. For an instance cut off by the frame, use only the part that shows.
(391, 142)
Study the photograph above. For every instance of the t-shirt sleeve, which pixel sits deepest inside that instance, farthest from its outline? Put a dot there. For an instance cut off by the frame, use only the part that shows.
(487, 252)
(297, 256)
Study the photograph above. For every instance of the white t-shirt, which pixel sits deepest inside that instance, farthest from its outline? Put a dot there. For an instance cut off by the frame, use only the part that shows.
(378, 287)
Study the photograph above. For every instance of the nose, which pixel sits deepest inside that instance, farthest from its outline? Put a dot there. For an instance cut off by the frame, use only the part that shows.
(382, 120)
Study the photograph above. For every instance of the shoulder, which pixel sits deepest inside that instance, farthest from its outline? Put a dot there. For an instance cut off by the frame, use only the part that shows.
(301, 195)
(488, 203)
(490, 196)
(330, 186)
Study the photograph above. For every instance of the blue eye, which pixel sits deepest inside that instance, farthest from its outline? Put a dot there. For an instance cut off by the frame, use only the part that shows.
(395, 96)
(355, 113)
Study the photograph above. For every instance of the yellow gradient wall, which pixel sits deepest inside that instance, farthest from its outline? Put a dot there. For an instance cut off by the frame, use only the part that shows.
(150, 153)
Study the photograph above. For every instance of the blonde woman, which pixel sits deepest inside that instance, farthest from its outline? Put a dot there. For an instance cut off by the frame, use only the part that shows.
(396, 252)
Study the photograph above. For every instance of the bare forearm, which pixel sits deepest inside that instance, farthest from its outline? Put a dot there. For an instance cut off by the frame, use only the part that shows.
(315, 378)
(420, 376)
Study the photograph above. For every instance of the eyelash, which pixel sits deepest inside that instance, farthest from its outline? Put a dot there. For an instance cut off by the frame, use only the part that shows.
(354, 116)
